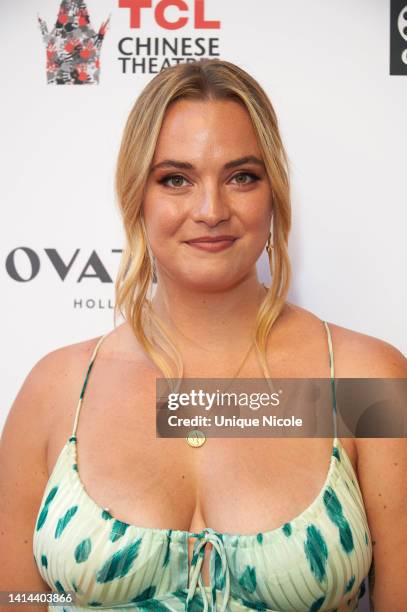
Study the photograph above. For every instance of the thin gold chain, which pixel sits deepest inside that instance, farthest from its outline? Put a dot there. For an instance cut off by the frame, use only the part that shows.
(196, 438)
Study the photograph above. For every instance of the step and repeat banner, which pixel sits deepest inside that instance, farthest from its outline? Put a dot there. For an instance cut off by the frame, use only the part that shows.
(336, 73)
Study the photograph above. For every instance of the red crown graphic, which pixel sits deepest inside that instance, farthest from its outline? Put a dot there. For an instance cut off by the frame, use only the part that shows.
(73, 48)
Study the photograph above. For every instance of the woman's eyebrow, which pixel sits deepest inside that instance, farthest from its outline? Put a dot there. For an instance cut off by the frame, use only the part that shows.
(173, 163)
(249, 159)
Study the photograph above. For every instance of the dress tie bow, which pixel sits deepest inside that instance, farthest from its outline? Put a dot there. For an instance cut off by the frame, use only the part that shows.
(221, 579)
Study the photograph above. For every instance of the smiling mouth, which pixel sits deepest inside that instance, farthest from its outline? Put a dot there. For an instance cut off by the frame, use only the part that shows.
(212, 245)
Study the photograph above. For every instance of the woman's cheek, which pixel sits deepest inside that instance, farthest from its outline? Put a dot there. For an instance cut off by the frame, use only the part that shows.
(164, 229)
(256, 216)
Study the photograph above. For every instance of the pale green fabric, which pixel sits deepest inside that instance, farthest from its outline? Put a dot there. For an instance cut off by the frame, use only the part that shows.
(316, 561)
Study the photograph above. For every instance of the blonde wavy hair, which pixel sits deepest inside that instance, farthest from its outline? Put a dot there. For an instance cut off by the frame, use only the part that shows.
(207, 79)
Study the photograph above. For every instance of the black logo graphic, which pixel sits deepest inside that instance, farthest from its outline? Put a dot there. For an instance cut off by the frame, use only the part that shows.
(398, 37)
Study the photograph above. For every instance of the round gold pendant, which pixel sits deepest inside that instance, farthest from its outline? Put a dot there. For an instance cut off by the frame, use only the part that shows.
(196, 438)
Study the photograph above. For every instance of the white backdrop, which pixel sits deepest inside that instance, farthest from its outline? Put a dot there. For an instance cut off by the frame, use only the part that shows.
(343, 122)
(342, 118)
(325, 66)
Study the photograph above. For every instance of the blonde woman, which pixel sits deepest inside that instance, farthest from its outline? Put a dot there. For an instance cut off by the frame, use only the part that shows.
(94, 503)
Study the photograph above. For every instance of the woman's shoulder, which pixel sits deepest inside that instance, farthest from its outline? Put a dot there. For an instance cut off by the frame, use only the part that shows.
(55, 369)
(59, 374)
(356, 354)
(64, 361)
(49, 385)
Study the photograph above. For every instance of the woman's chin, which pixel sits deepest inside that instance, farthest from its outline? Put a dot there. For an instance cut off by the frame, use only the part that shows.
(206, 277)
(210, 283)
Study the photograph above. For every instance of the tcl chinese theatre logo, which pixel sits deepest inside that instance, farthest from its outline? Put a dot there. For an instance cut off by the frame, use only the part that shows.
(73, 47)
(151, 54)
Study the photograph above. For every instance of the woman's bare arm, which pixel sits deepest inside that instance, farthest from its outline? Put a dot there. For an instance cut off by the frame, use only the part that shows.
(23, 477)
(382, 472)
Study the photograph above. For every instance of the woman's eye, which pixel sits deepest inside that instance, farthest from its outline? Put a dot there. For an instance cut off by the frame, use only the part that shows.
(175, 178)
(242, 176)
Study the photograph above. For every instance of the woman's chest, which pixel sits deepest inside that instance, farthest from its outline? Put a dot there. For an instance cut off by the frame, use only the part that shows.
(164, 483)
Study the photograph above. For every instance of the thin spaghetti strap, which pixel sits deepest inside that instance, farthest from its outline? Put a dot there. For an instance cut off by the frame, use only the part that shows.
(91, 362)
(332, 375)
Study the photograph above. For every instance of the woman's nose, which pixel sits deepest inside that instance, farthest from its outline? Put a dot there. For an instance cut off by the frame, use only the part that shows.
(211, 206)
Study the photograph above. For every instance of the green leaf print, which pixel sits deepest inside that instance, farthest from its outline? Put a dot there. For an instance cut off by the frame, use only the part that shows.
(336, 454)
(287, 529)
(82, 551)
(349, 584)
(51, 496)
(248, 579)
(254, 605)
(148, 593)
(118, 530)
(44, 511)
(335, 513)
(317, 604)
(316, 551)
(63, 522)
(120, 563)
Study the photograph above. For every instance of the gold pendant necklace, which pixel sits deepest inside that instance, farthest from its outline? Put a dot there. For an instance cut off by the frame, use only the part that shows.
(197, 438)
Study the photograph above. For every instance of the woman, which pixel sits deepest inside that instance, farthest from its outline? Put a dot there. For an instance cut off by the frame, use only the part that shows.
(123, 518)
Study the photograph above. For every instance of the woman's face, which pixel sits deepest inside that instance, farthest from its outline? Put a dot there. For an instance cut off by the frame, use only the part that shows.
(207, 181)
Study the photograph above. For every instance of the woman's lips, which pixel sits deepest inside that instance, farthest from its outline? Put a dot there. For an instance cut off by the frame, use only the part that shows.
(212, 246)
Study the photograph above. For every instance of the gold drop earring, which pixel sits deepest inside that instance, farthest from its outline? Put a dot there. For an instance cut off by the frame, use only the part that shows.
(154, 269)
(269, 249)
